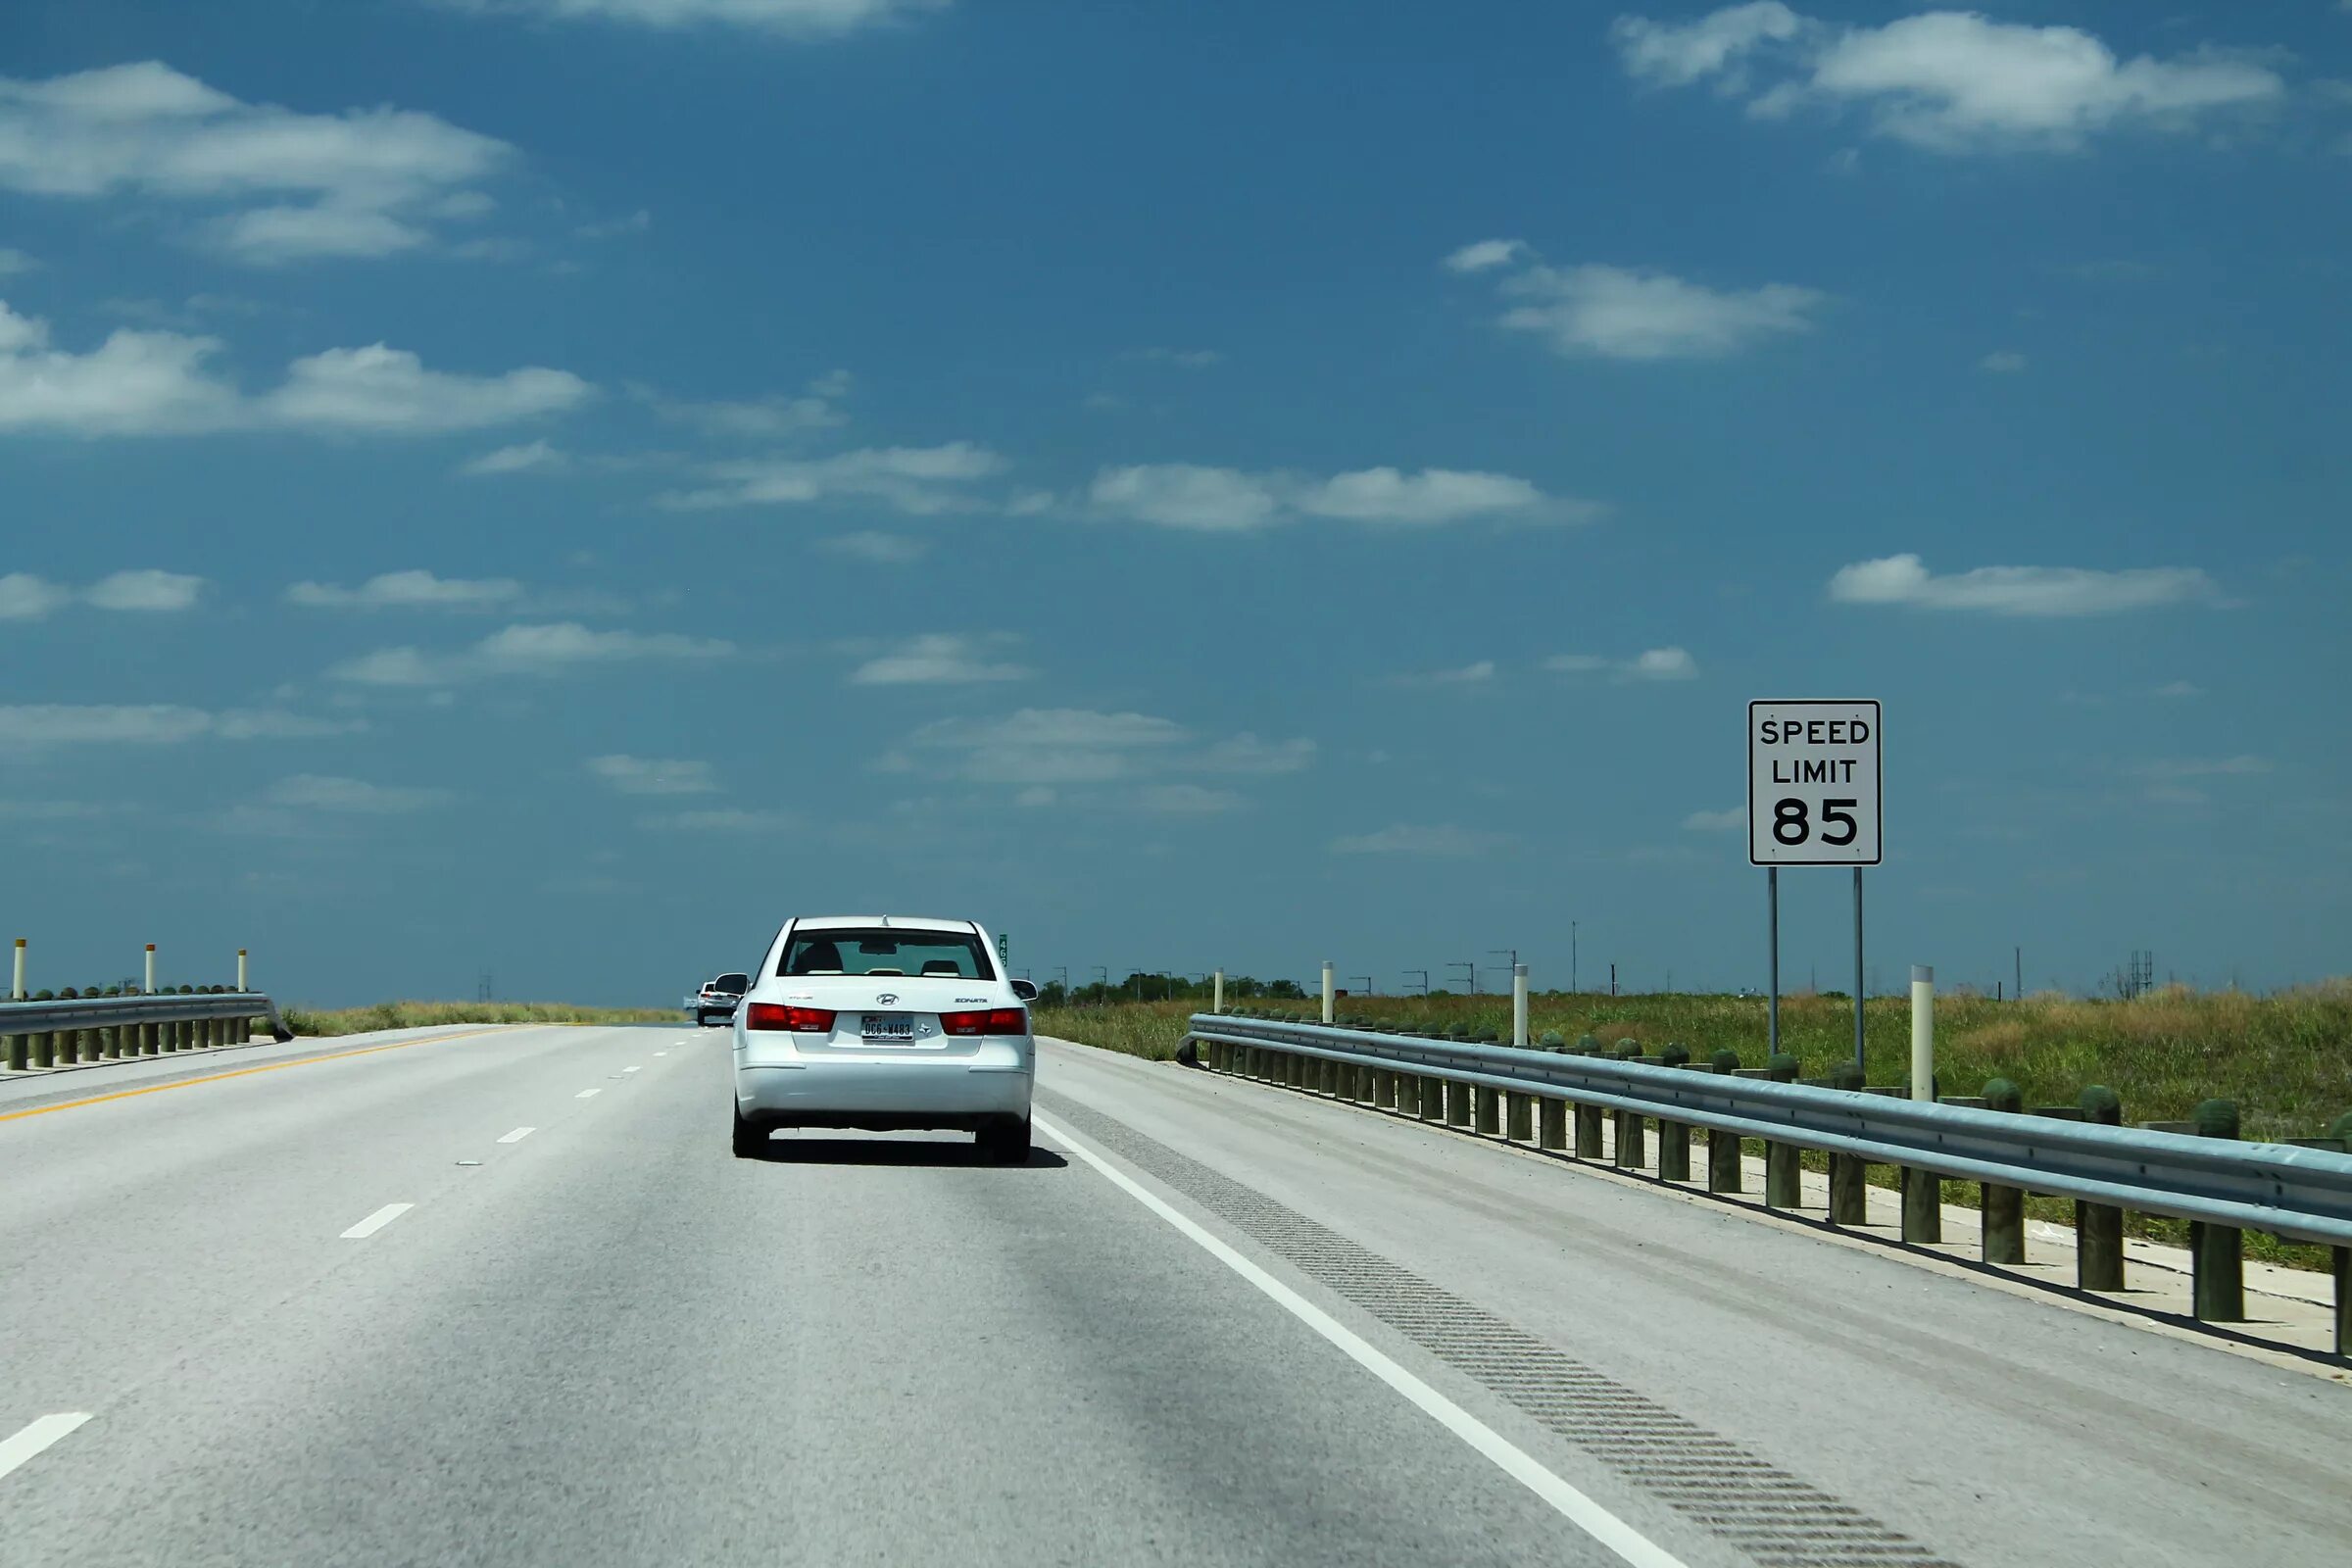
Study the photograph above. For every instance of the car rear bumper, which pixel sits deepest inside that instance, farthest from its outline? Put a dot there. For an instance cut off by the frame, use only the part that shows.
(960, 1092)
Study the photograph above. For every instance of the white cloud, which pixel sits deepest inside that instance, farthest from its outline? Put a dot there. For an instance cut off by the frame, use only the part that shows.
(2239, 766)
(637, 222)
(1183, 495)
(156, 383)
(277, 724)
(2018, 590)
(526, 650)
(25, 596)
(13, 261)
(1044, 746)
(761, 418)
(1444, 840)
(1675, 55)
(297, 186)
(803, 18)
(1485, 254)
(1663, 664)
(1051, 745)
(916, 480)
(146, 591)
(1619, 314)
(319, 792)
(408, 590)
(1247, 754)
(47, 724)
(2002, 362)
(1434, 496)
(1187, 800)
(1655, 664)
(379, 388)
(878, 549)
(653, 776)
(1950, 82)
(721, 819)
(43, 724)
(1730, 822)
(938, 659)
(1474, 674)
(523, 458)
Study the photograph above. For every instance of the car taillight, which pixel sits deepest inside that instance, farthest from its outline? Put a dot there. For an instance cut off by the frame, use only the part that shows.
(995, 1021)
(800, 1020)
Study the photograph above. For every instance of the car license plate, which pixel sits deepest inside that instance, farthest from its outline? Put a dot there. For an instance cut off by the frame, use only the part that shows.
(890, 1026)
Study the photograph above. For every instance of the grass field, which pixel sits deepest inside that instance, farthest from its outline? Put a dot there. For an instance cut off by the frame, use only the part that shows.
(2286, 1058)
(423, 1014)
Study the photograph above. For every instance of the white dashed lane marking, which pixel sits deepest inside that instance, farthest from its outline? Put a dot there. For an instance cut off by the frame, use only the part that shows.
(376, 1221)
(15, 1450)
(519, 1135)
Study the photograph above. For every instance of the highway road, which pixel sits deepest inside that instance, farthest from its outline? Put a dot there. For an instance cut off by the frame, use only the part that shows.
(503, 1296)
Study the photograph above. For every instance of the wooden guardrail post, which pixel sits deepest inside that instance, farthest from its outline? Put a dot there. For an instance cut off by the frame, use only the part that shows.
(1520, 1123)
(1783, 1177)
(2003, 1209)
(1723, 1149)
(2341, 1132)
(1490, 1118)
(1674, 1137)
(1587, 1131)
(2100, 1227)
(1849, 1174)
(1433, 1097)
(1457, 1105)
(2217, 1252)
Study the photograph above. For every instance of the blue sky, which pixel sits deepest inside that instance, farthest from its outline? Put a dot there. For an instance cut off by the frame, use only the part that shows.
(553, 487)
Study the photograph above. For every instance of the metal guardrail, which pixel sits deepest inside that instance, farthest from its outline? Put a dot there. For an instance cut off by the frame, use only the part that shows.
(47, 1034)
(2300, 1193)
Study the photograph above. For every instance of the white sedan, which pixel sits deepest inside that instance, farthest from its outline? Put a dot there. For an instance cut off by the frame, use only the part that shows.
(882, 1022)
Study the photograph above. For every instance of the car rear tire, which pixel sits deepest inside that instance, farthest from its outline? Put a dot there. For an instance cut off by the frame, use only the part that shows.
(751, 1139)
(1006, 1142)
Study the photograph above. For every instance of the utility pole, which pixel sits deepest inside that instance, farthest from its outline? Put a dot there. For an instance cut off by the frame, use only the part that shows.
(2017, 956)
(1612, 979)
(1424, 974)
(1511, 953)
(1370, 990)
(1572, 955)
(1469, 974)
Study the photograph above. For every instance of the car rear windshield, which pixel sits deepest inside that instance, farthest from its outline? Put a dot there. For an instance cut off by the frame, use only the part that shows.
(949, 955)
(732, 982)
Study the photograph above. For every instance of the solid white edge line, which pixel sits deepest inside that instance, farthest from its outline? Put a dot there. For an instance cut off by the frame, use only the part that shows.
(376, 1221)
(37, 1435)
(588, 1094)
(519, 1135)
(1514, 1461)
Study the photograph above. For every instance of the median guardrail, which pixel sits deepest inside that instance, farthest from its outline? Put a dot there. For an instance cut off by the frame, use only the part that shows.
(40, 1034)
(2222, 1186)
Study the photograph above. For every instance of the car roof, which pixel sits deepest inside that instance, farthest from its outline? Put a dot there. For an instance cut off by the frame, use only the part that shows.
(870, 922)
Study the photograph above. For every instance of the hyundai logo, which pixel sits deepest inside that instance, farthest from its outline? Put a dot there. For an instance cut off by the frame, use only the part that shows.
(887, 997)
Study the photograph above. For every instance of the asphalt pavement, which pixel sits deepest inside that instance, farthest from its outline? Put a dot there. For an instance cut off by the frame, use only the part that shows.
(504, 1297)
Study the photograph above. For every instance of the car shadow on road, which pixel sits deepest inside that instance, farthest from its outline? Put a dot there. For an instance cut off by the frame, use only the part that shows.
(789, 1150)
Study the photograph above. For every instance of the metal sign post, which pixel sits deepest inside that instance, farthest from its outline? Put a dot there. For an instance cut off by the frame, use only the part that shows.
(1814, 798)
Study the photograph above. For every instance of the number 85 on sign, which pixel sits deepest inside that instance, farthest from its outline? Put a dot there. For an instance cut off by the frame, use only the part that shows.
(1813, 795)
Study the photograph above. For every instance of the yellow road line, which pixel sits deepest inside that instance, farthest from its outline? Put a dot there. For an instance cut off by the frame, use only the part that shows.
(241, 1072)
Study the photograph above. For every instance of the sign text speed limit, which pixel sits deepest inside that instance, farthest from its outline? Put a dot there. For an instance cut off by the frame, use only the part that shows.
(1813, 796)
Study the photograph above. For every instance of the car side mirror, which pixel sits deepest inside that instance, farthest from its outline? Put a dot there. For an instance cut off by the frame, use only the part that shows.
(1024, 989)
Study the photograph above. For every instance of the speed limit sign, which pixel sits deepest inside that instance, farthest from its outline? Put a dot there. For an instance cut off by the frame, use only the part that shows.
(1813, 796)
